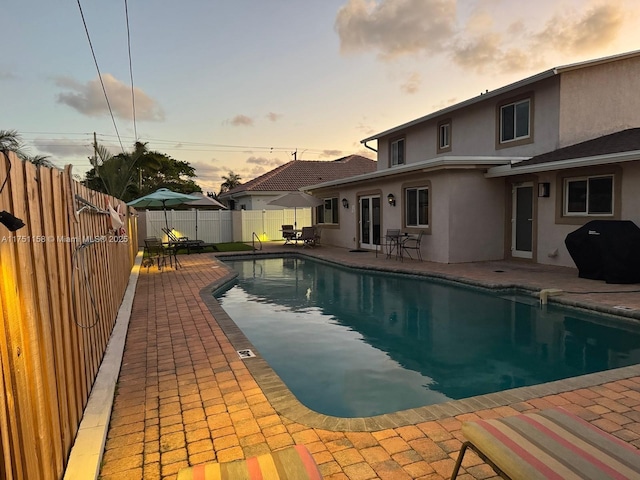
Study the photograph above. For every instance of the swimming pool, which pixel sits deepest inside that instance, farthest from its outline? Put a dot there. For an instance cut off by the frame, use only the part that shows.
(351, 343)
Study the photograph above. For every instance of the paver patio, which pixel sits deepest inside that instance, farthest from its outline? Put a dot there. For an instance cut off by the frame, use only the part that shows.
(184, 397)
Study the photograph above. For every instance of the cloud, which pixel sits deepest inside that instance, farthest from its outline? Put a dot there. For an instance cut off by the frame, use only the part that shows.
(274, 117)
(412, 83)
(395, 27)
(331, 153)
(595, 29)
(240, 121)
(263, 161)
(491, 39)
(5, 75)
(63, 147)
(89, 99)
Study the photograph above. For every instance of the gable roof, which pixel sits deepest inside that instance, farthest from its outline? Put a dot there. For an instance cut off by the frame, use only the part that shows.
(513, 86)
(300, 173)
(616, 147)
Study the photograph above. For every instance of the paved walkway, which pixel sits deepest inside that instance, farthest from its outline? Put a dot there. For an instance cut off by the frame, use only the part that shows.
(184, 397)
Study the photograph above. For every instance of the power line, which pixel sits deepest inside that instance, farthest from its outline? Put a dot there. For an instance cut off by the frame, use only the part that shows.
(95, 61)
(133, 96)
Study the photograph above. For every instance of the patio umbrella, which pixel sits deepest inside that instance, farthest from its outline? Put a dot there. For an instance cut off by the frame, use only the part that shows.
(163, 197)
(296, 200)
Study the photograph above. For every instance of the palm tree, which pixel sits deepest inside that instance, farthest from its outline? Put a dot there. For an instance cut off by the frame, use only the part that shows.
(232, 180)
(11, 141)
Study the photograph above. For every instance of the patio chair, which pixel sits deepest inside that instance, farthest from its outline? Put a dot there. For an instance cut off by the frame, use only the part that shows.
(552, 443)
(309, 237)
(185, 242)
(289, 234)
(392, 242)
(411, 243)
(155, 252)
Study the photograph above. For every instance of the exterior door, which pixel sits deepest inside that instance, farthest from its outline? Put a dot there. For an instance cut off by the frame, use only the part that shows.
(522, 221)
(369, 222)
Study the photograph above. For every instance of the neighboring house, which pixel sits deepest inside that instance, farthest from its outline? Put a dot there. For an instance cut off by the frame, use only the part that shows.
(257, 193)
(504, 175)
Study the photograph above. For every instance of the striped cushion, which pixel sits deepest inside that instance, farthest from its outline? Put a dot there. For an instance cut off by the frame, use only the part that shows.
(293, 463)
(553, 444)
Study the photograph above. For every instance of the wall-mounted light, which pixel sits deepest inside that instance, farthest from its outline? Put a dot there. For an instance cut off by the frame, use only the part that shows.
(544, 189)
(10, 221)
(345, 203)
(391, 199)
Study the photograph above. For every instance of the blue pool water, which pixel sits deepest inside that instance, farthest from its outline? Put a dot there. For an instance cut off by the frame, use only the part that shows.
(353, 343)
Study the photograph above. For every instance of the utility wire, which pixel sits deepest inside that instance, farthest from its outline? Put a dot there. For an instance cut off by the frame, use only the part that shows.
(95, 61)
(133, 96)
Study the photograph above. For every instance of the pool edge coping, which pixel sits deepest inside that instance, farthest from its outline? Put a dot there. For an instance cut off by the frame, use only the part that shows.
(288, 405)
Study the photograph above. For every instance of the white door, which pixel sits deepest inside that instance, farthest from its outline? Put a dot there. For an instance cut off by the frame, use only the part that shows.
(522, 221)
(369, 222)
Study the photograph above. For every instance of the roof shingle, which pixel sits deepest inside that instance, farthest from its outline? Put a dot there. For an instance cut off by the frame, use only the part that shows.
(300, 173)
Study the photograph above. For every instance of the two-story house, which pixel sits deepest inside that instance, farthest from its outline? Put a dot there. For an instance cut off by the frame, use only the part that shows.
(504, 175)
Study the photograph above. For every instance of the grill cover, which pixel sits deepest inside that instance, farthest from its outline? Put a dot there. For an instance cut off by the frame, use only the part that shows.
(606, 250)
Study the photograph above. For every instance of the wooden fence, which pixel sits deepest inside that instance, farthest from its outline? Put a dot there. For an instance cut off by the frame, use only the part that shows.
(62, 279)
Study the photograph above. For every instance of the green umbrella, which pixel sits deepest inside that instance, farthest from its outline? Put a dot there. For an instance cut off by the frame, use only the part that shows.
(163, 197)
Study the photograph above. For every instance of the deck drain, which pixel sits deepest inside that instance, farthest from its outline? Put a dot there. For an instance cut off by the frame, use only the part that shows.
(246, 353)
(622, 307)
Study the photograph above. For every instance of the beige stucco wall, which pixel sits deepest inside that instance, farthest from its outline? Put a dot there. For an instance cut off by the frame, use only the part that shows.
(467, 216)
(473, 129)
(551, 235)
(599, 100)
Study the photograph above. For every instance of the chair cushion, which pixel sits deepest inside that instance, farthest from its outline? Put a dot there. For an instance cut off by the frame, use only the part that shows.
(293, 463)
(552, 444)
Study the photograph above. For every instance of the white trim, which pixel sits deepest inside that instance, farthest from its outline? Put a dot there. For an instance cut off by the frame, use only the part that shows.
(508, 170)
(438, 162)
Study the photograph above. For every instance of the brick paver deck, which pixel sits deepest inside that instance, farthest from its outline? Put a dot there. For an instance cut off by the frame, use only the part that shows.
(184, 397)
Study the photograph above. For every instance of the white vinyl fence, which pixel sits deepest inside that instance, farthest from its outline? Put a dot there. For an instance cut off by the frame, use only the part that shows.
(223, 226)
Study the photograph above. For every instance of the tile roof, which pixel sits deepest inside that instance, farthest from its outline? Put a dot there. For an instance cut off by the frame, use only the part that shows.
(623, 141)
(300, 173)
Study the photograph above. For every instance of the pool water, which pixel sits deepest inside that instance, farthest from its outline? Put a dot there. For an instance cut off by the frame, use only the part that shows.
(355, 343)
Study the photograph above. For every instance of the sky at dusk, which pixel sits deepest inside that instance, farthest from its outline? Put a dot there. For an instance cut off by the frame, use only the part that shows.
(240, 85)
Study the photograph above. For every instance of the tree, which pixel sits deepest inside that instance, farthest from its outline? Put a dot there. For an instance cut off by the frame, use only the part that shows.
(10, 140)
(131, 175)
(232, 180)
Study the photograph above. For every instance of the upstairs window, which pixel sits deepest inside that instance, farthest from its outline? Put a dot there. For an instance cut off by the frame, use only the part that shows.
(328, 211)
(591, 196)
(397, 152)
(444, 136)
(515, 121)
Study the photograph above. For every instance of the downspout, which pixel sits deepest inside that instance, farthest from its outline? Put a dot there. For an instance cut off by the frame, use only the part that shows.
(367, 146)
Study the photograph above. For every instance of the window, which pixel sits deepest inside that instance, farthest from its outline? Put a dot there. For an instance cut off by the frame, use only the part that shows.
(588, 195)
(515, 121)
(417, 207)
(328, 211)
(397, 152)
(444, 136)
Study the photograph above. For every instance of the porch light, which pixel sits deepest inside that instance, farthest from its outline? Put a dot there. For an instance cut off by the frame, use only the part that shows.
(10, 221)
(345, 203)
(391, 199)
(544, 189)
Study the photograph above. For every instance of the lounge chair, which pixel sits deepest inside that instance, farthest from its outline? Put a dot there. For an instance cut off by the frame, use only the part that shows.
(292, 463)
(309, 237)
(552, 443)
(289, 234)
(185, 242)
